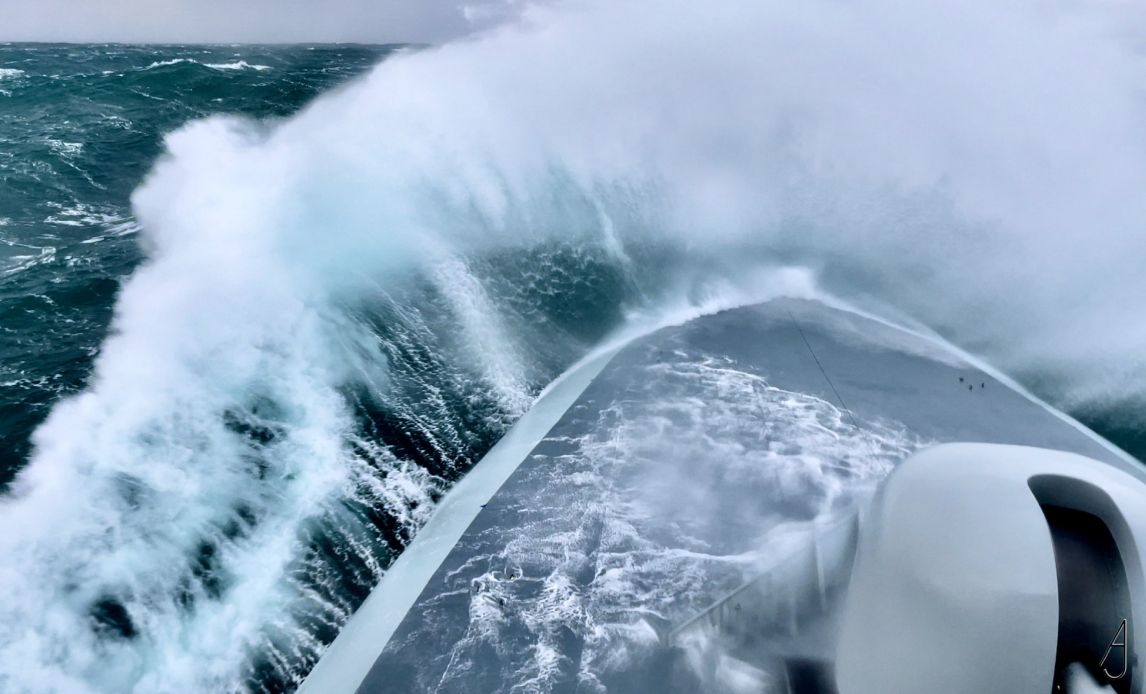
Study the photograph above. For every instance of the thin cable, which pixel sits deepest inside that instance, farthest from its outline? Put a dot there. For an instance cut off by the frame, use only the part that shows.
(824, 372)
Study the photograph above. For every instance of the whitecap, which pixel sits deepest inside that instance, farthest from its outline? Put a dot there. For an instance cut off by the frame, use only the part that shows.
(65, 149)
(82, 215)
(173, 61)
(19, 263)
(238, 65)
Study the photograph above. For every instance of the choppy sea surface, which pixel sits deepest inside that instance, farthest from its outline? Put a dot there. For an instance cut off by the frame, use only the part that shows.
(80, 127)
(210, 520)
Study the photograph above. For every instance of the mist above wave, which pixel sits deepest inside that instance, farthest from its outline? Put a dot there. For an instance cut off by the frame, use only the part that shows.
(975, 164)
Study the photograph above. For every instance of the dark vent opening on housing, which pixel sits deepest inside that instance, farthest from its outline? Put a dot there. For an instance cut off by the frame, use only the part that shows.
(1094, 601)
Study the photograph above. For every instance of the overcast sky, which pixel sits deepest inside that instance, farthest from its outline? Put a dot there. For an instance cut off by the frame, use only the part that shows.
(237, 21)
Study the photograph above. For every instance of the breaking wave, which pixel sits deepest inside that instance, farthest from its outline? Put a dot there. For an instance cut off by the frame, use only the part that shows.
(339, 313)
(234, 65)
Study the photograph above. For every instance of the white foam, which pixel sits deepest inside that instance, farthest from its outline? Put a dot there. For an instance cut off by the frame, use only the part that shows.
(674, 495)
(233, 65)
(20, 263)
(165, 63)
(237, 65)
(349, 658)
(79, 215)
(65, 149)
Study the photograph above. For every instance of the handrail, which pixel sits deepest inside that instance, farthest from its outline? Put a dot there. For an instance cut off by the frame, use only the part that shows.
(808, 574)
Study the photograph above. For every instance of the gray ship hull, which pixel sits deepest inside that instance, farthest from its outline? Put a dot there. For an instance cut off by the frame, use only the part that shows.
(656, 478)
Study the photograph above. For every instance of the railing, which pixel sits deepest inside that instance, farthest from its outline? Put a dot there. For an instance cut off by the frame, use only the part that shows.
(773, 602)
